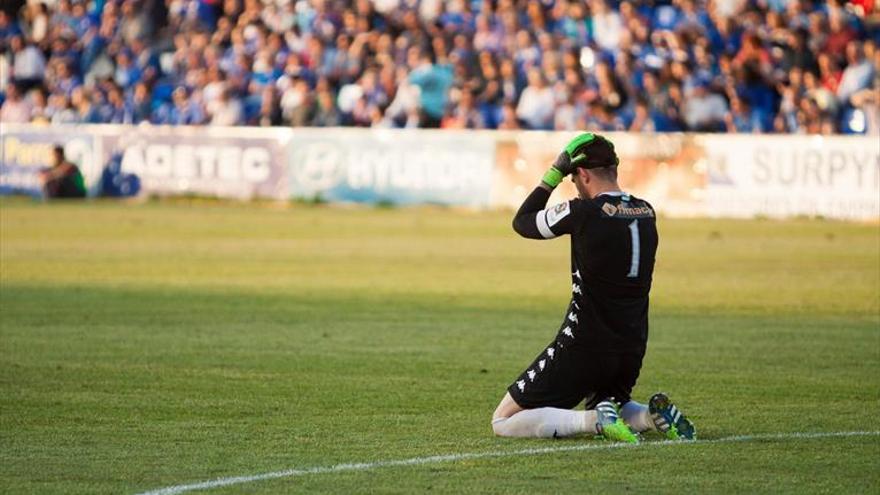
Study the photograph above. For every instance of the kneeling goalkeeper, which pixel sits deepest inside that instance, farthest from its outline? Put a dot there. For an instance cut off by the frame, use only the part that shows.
(597, 354)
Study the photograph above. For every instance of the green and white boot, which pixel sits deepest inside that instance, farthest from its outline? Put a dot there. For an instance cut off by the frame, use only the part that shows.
(611, 426)
(669, 420)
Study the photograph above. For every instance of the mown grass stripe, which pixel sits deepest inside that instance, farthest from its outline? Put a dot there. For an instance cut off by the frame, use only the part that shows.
(414, 461)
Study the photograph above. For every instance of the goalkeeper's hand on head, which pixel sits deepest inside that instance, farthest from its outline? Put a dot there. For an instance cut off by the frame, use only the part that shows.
(565, 163)
(560, 168)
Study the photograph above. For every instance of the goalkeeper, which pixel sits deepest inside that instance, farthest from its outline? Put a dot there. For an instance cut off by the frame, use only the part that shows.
(597, 354)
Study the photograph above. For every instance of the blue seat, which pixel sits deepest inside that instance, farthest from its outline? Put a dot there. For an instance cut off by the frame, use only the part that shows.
(162, 91)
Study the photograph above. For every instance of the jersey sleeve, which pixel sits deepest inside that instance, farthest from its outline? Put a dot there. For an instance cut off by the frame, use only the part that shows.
(564, 218)
(535, 221)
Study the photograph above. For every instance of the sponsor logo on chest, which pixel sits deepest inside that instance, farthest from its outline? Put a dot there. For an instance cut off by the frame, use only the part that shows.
(624, 210)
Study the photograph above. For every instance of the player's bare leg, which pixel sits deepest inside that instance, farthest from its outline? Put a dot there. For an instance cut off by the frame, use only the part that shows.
(506, 408)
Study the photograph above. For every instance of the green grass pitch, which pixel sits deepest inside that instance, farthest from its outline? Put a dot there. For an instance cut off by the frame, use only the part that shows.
(152, 345)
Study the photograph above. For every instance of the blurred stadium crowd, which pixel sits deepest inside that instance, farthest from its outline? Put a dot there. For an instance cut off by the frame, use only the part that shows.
(784, 66)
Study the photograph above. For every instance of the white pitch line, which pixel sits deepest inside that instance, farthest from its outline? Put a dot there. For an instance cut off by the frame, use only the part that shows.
(415, 461)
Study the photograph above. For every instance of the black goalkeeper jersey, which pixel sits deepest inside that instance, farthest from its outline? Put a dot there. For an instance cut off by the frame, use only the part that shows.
(613, 244)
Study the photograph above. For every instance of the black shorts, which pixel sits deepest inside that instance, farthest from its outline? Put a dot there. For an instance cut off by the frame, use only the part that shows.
(564, 374)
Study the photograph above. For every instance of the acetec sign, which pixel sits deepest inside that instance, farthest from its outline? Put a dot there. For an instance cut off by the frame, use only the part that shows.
(218, 163)
(185, 161)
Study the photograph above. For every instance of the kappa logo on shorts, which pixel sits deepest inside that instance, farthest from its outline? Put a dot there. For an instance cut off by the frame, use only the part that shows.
(542, 363)
(557, 213)
(521, 385)
(567, 331)
(573, 317)
(576, 288)
(531, 374)
(550, 352)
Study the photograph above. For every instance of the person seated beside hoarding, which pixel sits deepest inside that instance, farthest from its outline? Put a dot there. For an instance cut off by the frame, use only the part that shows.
(63, 179)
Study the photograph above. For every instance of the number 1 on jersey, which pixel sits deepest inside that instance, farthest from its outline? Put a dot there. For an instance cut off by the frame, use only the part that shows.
(634, 263)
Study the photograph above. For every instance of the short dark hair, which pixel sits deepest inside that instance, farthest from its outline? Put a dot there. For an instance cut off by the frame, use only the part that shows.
(600, 153)
(608, 174)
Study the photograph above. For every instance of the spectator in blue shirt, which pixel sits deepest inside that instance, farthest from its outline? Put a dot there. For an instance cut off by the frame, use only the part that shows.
(740, 119)
(433, 81)
(127, 74)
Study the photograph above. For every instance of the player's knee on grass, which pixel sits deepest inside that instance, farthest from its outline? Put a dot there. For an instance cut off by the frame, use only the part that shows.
(498, 426)
(543, 422)
(513, 427)
(506, 408)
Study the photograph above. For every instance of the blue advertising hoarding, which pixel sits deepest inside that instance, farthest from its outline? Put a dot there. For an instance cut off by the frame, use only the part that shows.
(26, 150)
(392, 166)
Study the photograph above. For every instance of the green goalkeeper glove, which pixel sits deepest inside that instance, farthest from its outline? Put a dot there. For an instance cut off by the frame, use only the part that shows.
(567, 161)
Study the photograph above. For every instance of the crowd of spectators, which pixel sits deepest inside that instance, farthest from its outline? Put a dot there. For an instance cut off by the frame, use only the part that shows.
(782, 66)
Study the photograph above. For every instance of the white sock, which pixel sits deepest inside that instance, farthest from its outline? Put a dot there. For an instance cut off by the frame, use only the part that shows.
(637, 417)
(546, 422)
